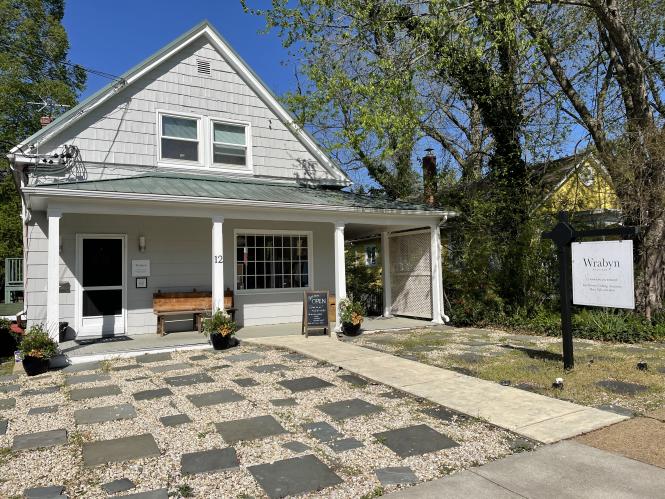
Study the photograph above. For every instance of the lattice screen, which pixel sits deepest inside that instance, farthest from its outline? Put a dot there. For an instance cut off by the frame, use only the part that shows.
(410, 274)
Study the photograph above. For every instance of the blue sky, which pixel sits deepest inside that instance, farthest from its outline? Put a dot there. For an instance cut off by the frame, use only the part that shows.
(113, 36)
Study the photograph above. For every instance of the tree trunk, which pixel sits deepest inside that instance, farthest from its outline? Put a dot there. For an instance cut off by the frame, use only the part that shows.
(651, 259)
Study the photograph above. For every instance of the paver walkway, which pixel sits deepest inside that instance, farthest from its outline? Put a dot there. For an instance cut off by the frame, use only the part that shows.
(563, 470)
(534, 416)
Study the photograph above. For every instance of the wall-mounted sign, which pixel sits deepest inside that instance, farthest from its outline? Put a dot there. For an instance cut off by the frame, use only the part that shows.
(603, 274)
(141, 282)
(140, 268)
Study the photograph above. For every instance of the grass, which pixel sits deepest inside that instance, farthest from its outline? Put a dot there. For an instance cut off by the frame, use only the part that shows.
(6, 365)
(537, 362)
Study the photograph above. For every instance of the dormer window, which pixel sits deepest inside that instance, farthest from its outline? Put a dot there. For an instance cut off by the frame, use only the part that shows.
(179, 138)
(229, 145)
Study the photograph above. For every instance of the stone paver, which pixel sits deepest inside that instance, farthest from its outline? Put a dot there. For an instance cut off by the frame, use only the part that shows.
(6, 378)
(294, 476)
(249, 429)
(44, 390)
(621, 387)
(77, 394)
(179, 366)
(346, 409)
(3, 426)
(127, 367)
(268, 368)
(175, 420)
(151, 494)
(105, 413)
(86, 378)
(353, 379)
(242, 357)
(198, 357)
(152, 394)
(322, 431)
(246, 382)
(287, 402)
(153, 357)
(344, 444)
(296, 446)
(120, 485)
(9, 403)
(414, 440)
(209, 460)
(529, 414)
(214, 398)
(304, 384)
(119, 449)
(83, 366)
(40, 439)
(189, 379)
(396, 475)
(47, 409)
(50, 492)
(10, 388)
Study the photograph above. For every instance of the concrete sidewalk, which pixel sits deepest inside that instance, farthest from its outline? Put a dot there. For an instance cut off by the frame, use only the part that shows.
(534, 416)
(563, 470)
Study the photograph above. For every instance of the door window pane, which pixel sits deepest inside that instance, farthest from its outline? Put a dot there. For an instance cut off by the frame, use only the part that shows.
(102, 262)
(102, 302)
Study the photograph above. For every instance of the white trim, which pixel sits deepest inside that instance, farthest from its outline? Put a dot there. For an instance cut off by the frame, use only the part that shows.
(170, 162)
(340, 272)
(310, 261)
(385, 274)
(53, 274)
(78, 306)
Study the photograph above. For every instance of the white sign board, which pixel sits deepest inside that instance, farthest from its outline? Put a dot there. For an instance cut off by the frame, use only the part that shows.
(140, 268)
(603, 274)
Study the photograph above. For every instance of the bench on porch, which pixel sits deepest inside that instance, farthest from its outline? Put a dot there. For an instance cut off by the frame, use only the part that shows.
(193, 302)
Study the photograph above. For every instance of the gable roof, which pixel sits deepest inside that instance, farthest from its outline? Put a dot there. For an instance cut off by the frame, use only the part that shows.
(245, 72)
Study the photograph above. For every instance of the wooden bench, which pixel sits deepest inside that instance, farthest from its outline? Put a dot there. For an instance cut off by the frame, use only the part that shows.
(194, 302)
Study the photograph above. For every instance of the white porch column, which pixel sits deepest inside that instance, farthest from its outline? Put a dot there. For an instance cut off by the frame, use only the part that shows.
(340, 272)
(385, 261)
(437, 278)
(53, 275)
(217, 263)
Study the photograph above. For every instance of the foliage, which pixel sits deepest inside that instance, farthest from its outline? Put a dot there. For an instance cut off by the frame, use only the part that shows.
(33, 66)
(351, 312)
(361, 279)
(219, 323)
(37, 343)
(5, 324)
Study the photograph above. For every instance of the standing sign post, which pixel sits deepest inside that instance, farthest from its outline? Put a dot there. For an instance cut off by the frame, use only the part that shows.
(594, 279)
(315, 311)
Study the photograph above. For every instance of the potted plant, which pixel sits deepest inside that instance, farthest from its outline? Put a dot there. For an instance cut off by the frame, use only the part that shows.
(38, 349)
(220, 328)
(351, 315)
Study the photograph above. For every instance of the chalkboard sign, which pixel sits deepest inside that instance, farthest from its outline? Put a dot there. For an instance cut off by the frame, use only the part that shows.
(315, 311)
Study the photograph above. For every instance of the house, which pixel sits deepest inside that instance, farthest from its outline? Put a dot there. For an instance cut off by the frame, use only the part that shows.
(187, 173)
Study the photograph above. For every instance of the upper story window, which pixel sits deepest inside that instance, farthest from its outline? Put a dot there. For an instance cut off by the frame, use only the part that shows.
(179, 138)
(229, 145)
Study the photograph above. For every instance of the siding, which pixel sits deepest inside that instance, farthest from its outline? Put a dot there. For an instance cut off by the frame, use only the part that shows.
(179, 250)
(122, 131)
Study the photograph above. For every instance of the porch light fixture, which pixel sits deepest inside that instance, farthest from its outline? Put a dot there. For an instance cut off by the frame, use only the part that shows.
(141, 244)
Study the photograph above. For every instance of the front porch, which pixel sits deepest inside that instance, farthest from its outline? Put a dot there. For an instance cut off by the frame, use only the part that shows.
(78, 352)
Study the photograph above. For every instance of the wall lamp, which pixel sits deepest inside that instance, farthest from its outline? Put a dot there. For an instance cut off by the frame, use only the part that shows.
(141, 244)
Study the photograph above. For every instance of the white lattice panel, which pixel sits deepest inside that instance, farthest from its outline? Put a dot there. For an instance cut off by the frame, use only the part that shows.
(410, 274)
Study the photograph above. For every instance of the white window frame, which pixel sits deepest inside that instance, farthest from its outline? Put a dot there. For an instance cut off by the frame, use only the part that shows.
(249, 165)
(169, 162)
(310, 261)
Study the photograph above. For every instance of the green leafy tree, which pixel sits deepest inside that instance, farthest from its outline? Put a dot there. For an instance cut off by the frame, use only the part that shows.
(33, 68)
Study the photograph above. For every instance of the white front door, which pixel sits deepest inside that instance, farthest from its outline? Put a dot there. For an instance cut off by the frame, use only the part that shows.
(102, 286)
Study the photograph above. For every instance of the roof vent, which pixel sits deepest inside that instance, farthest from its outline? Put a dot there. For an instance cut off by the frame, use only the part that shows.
(203, 66)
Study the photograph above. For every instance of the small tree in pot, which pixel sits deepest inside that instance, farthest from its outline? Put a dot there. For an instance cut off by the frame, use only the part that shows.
(220, 328)
(37, 349)
(352, 316)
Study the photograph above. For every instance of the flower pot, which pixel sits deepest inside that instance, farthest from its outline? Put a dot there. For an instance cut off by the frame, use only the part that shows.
(351, 329)
(35, 365)
(220, 342)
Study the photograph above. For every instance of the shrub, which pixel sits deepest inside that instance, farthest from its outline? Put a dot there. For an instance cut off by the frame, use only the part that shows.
(7, 338)
(37, 343)
(219, 323)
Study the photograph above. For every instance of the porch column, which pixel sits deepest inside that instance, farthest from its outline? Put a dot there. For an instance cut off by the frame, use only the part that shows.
(340, 272)
(437, 285)
(217, 263)
(385, 261)
(53, 275)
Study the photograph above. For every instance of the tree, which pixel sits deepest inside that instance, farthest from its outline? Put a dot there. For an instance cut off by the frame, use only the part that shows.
(33, 67)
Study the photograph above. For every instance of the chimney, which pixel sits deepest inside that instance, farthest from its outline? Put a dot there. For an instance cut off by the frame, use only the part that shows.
(429, 177)
(45, 120)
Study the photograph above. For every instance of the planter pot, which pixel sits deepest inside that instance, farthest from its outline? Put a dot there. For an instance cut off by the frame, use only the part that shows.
(35, 365)
(220, 342)
(350, 329)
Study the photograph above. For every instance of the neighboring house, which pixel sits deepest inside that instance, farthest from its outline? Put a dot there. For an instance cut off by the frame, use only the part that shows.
(579, 184)
(188, 173)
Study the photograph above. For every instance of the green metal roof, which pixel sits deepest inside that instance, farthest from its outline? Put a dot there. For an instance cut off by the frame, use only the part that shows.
(164, 184)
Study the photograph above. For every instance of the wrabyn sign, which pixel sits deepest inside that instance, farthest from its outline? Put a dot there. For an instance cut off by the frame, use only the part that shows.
(603, 274)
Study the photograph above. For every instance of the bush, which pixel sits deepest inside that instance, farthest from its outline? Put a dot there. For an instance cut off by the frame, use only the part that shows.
(37, 343)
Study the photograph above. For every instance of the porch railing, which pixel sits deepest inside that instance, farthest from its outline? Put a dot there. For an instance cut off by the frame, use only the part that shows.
(13, 278)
